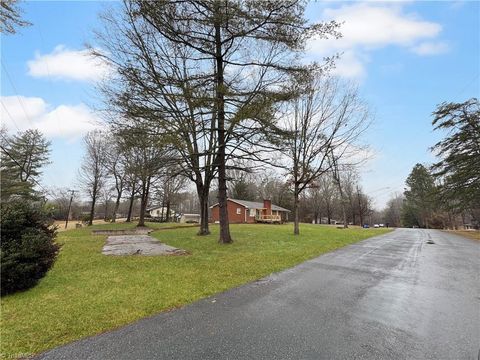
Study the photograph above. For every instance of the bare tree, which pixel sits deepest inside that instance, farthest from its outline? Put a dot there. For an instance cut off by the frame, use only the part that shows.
(107, 198)
(131, 184)
(326, 118)
(146, 156)
(363, 205)
(273, 187)
(162, 89)
(168, 188)
(393, 211)
(93, 171)
(329, 195)
(117, 164)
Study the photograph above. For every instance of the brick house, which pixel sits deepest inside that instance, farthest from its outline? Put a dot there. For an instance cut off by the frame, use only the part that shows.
(243, 212)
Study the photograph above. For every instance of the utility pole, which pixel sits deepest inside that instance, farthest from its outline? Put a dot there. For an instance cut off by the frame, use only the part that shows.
(69, 206)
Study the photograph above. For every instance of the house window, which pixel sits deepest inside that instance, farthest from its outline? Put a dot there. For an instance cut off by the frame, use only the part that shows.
(252, 212)
(239, 211)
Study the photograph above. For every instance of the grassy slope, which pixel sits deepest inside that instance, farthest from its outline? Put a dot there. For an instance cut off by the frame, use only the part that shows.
(87, 293)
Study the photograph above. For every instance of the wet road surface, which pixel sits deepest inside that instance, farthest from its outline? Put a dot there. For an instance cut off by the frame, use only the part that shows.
(394, 296)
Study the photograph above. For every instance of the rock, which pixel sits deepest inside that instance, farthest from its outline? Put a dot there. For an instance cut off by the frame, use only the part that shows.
(138, 245)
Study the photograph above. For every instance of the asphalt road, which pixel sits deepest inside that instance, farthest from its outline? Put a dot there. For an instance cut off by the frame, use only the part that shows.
(390, 297)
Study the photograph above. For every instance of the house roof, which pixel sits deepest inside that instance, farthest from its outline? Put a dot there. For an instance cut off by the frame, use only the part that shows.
(159, 208)
(254, 205)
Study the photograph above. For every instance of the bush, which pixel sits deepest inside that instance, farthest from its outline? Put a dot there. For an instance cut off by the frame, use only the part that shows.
(28, 249)
(85, 219)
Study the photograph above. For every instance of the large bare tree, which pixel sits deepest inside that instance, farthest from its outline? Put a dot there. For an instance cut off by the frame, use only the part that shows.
(93, 170)
(326, 118)
(220, 65)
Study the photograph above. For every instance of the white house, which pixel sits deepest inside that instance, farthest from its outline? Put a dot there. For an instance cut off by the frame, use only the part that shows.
(190, 218)
(161, 212)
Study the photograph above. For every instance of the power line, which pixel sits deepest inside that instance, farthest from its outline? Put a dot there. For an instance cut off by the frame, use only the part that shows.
(23, 107)
(468, 84)
(10, 116)
(49, 77)
(17, 93)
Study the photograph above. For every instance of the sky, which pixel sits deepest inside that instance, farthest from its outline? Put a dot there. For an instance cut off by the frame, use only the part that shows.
(405, 57)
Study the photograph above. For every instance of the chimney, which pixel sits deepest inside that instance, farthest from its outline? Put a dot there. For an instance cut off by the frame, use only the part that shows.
(267, 204)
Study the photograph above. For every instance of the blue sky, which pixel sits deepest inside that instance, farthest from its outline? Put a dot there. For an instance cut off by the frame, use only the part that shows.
(406, 57)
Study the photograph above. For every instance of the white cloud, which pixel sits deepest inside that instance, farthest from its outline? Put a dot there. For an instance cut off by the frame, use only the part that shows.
(369, 26)
(68, 64)
(349, 66)
(430, 48)
(17, 111)
(65, 121)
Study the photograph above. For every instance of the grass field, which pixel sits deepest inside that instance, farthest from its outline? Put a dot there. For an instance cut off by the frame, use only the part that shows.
(87, 293)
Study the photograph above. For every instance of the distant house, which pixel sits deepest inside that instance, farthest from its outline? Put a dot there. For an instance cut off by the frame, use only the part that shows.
(190, 218)
(161, 212)
(324, 220)
(242, 212)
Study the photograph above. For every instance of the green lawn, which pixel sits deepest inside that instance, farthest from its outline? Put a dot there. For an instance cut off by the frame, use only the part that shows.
(88, 293)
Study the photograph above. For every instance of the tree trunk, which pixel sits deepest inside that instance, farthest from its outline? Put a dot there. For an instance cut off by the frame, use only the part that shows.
(92, 209)
(168, 210)
(329, 215)
(344, 206)
(117, 205)
(344, 210)
(143, 204)
(105, 213)
(130, 207)
(202, 193)
(296, 227)
(225, 237)
(162, 219)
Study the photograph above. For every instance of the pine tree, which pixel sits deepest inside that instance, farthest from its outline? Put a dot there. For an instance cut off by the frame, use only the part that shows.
(459, 154)
(23, 156)
(419, 197)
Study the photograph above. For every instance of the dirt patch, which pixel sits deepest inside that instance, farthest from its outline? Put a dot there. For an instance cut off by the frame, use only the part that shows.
(138, 245)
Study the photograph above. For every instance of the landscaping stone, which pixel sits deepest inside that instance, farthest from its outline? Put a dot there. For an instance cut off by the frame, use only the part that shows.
(138, 245)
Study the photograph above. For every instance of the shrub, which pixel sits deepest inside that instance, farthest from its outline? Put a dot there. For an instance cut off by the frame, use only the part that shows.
(27, 249)
(85, 218)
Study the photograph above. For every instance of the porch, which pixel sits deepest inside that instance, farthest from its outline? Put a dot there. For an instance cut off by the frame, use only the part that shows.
(272, 219)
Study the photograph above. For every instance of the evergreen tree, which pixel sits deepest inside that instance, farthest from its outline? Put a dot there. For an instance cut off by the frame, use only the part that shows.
(23, 156)
(419, 197)
(459, 154)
